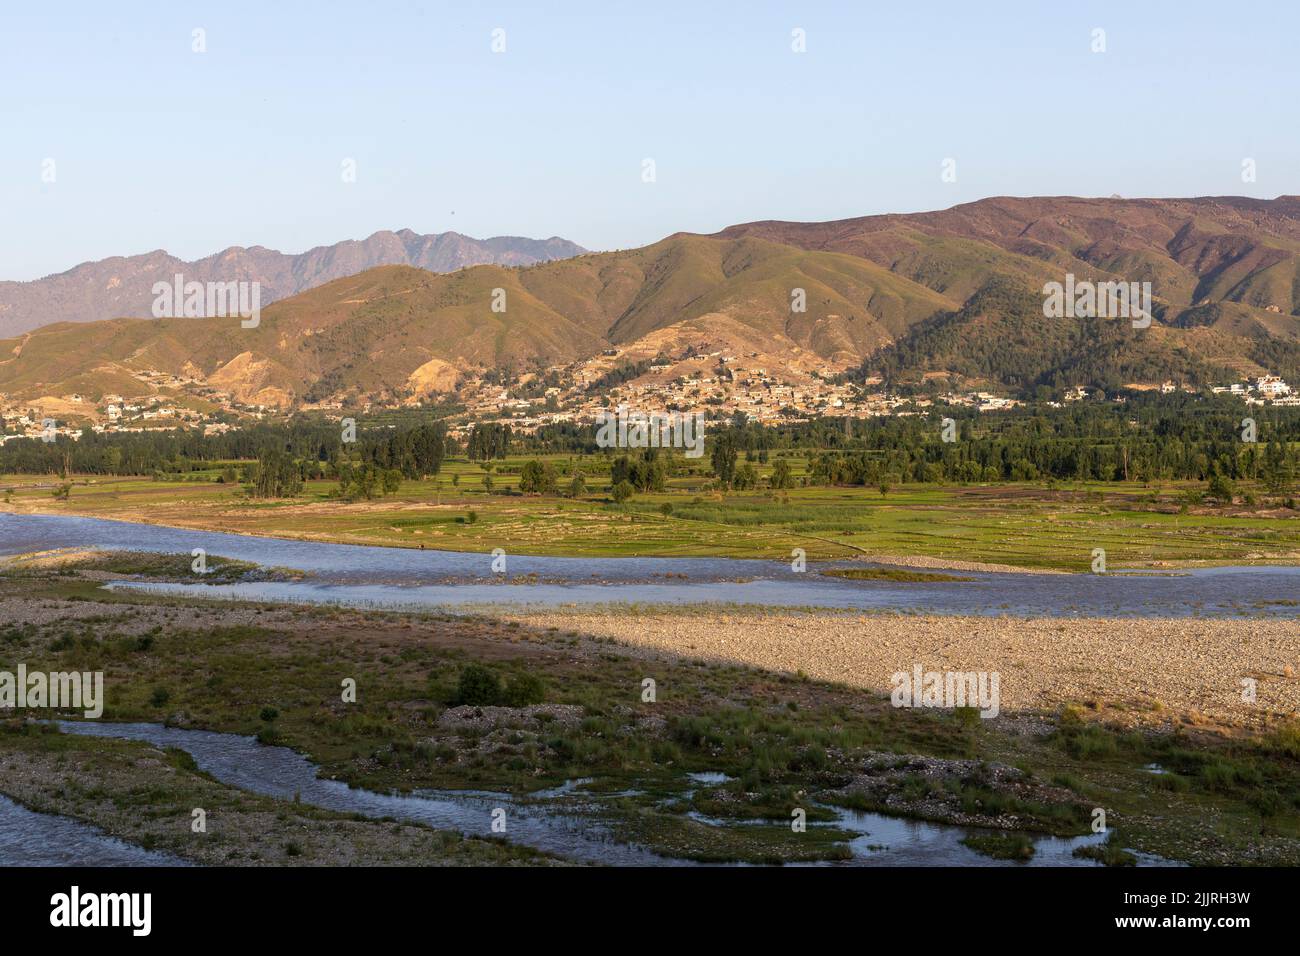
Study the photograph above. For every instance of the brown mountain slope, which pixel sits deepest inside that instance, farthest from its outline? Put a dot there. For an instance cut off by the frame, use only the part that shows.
(396, 330)
(1221, 248)
(123, 286)
(954, 292)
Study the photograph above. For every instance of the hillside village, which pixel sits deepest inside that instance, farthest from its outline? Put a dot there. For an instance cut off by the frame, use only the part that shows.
(721, 382)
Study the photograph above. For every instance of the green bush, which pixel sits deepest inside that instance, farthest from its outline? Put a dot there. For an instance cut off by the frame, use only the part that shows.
(478, 687)
(524, 689)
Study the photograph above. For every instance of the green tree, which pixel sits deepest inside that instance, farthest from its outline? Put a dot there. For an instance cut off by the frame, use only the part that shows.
(1276, 473)
(275, 475)
(1220, 487)
(745, 478)
(537, 478)
(723, 457)
(781, 477)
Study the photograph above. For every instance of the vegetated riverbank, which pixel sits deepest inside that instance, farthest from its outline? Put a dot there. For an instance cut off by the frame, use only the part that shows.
(457, 701)
(976, 527)
(140, 565)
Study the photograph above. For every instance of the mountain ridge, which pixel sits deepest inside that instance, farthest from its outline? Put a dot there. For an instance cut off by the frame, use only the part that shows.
(943, 295)
(121, 286)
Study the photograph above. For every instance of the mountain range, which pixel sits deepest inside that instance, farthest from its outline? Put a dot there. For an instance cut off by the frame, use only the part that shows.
(122, 286)
(954, 294)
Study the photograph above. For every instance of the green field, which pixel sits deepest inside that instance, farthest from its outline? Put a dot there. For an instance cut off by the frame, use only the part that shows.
(1028, 525)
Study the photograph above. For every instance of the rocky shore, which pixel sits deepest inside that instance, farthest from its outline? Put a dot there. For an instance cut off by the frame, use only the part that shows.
(1140, 670)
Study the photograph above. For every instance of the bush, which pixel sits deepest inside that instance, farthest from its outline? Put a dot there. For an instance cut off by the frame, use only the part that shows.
(478, 687)
(160, 696)
(269, 714)
(524, 689)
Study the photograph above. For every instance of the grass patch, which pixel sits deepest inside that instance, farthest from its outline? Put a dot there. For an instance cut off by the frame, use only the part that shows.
(1001, 846)
(890, 574)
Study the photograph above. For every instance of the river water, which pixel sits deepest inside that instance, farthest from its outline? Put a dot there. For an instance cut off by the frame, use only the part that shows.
(402, 578)
(28, 838)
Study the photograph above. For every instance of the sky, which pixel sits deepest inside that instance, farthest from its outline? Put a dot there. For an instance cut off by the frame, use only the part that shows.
(117, 137)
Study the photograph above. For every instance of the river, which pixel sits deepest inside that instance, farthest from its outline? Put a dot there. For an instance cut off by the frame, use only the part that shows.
(400, 578)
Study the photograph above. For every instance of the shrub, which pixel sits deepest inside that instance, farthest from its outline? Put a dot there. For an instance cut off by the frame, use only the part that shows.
(478, 687)
(160, 696)
(524, 689)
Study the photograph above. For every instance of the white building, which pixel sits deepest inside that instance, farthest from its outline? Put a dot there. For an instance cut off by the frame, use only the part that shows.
(1272, 386)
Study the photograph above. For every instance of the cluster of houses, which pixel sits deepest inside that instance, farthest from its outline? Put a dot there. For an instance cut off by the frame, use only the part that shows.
(1270, 389)
(1265, 389)
(113, 414)
(982, 401)
(720, 382)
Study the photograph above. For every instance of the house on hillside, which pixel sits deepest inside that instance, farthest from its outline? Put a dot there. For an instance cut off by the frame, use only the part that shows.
(1272, 386)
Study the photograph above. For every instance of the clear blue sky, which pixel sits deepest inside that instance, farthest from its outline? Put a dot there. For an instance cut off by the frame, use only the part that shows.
(159, 147)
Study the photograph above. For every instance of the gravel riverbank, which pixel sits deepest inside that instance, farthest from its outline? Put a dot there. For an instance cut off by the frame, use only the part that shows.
(1144, 670)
